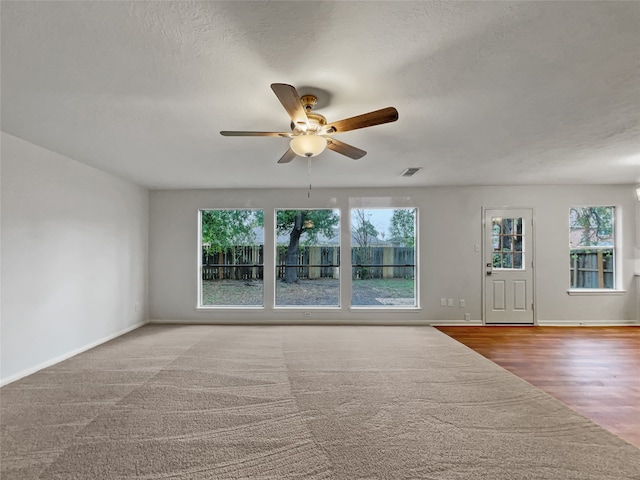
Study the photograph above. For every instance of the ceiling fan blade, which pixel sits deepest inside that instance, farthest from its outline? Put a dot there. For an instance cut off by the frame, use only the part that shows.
(345, 149)
(384, 115)
(288, 156)
(290, 100)
(227, 133)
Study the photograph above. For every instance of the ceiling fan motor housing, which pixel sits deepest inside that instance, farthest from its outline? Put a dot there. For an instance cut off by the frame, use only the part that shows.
(308, 102)
(316, 121)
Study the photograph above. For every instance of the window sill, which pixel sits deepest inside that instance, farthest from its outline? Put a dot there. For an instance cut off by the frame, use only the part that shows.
(229, 307)
(306, 307)
(384, 308)
(595, 291)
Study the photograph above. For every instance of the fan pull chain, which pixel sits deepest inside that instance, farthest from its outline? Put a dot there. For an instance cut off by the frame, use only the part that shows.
(309, 176)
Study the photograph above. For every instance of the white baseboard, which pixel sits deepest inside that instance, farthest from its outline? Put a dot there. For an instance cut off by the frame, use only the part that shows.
(291, 321)
(29, 371)
(587, 323)
(456, 323)
(317, 321)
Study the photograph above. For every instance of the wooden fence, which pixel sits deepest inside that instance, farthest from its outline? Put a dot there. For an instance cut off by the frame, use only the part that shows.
(236, 263)
(591, 269)
(246, 263)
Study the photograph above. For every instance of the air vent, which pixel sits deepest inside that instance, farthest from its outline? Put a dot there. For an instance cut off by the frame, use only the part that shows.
(410, 172)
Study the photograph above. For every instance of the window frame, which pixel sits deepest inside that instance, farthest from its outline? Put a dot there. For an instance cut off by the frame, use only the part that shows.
(614, 247)
(277, 266)
(416, 263)
(269, 256)
(199, 301)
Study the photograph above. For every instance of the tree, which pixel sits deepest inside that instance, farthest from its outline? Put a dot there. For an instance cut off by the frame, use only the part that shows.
(402, 226)
(595, 225)
(362, 231)
(222, 229)
(297, 223)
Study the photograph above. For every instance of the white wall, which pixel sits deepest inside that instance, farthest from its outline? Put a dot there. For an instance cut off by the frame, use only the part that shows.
(74, 257)
(637, 253)
(449, 266)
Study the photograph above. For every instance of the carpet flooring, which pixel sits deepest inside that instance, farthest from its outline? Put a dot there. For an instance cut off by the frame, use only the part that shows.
(289, 402)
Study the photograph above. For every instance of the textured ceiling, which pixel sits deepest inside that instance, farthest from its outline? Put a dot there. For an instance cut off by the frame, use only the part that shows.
(489, 93)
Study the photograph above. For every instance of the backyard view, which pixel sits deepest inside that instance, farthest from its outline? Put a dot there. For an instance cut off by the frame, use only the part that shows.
(592, 247)
(307, 254)
(319, 292)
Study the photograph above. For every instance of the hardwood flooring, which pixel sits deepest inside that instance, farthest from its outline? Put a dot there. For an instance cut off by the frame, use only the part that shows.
(594, 370)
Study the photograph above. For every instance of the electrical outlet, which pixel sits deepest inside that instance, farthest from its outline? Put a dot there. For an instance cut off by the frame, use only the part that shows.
(137, 306)
(467, 317)
(450, 302)
(443, 302)
(462, 303)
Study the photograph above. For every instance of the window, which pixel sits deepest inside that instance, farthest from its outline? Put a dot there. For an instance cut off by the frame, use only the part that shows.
(383, 257)
(231, 260)
(307, 258)
(507, 245)
(592, 250)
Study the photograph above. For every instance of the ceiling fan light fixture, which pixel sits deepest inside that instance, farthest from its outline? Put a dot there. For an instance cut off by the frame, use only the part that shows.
(308, 145)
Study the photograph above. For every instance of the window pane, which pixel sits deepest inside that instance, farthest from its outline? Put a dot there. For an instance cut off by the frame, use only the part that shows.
(518, 243)
(517, 260)
(507, 237)
(308, 257)
(591, 227)
(231, 257)
(506, 243)
(497, 260)
(592, 268)
(383, 257)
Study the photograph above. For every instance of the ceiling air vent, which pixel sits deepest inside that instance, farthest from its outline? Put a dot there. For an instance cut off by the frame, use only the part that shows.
(410, 172)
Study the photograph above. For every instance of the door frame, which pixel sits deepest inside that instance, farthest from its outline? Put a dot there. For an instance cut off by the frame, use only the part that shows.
(483, 250)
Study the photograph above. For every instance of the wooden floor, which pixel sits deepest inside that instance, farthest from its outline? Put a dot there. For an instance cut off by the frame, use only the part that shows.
(594, 370)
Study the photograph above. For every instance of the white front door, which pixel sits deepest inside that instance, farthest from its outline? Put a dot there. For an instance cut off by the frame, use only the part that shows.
(508, 264)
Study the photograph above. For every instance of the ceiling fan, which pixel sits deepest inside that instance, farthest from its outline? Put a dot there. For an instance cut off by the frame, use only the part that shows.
(310, 132)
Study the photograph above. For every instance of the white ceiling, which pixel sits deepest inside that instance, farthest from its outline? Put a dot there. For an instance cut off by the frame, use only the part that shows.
(489, 93)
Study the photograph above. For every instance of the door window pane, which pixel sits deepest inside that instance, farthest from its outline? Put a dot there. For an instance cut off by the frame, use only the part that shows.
(506, 240)
(383, 257)
(307, 258)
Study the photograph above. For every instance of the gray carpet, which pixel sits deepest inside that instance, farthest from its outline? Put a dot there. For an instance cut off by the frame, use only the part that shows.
(277, 402)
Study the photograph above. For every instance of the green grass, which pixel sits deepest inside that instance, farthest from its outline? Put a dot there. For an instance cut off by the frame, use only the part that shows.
(388, 287)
